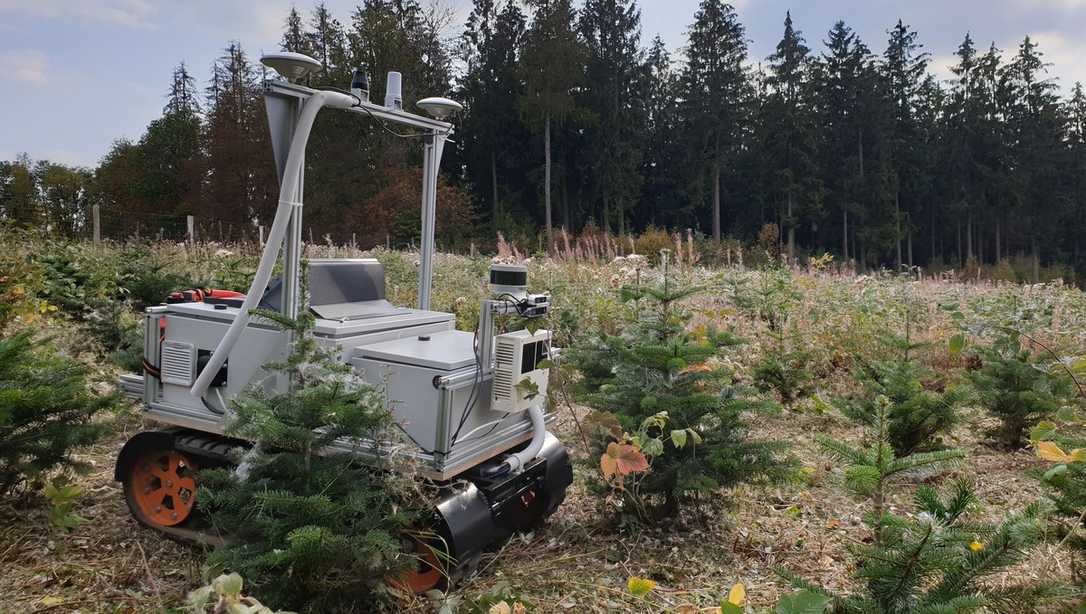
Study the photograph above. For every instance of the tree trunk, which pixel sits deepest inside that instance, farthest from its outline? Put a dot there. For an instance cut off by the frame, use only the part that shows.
(791, 230)
(716, 200)
(998, 252)
(958, 255)
(844, 233)
(969, 236)
(909, 238)
(1036, 261)
(565, 203)
(547, 176)
(494, 187)
(897, 226)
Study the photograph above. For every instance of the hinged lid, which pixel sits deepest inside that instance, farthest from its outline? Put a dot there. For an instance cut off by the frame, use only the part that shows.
(446, 351)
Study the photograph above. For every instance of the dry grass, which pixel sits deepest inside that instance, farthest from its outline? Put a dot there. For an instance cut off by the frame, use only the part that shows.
(576, 563)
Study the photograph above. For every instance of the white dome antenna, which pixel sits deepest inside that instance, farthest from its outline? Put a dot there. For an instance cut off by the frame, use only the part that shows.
(292, 66)
(438, 107)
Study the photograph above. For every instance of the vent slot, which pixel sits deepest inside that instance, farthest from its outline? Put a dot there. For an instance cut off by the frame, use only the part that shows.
(503, 384)
(178, 363)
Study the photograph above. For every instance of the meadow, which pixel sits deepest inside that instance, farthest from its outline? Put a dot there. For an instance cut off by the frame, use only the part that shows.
(802, 337)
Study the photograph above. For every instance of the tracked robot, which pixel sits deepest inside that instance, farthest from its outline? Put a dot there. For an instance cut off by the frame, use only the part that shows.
(470, 406)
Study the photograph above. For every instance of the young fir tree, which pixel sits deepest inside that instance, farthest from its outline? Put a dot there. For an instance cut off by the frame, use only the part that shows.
(934, 562)
(872, 466)
(46, 411)
(1013, 387)
(657, 379)
(917, 416)
(310, 530)
(939, 561)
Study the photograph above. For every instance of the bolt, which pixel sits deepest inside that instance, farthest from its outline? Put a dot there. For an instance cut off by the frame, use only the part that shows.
(158, 509)
(169, 483)
(147, 490)
(174, 515)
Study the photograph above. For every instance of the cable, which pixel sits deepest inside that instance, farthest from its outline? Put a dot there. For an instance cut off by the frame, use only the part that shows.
(496, 424)
(469, 405)
(413, 440)
(381, 122)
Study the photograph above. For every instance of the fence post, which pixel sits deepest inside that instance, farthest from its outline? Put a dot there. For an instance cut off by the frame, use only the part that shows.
(260, 229)
(96, 215)
(190, 221)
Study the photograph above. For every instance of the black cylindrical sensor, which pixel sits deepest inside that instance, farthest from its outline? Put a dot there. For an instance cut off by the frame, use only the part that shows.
(360, 84)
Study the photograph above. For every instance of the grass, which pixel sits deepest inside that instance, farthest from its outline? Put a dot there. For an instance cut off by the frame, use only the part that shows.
(576, 562)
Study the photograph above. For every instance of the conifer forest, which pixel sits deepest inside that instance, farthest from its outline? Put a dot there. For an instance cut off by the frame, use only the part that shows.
(815, 333)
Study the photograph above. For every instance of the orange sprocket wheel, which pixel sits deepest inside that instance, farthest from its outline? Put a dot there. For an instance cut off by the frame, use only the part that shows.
(426, 574)
(161, 487)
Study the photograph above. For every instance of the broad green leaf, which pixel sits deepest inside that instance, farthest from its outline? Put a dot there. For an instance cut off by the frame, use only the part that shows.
(653, 447)
(803, 602)
(1044, 431)
(1054, 472)
(678, 437)
(228, 585)
(639, 587)
(956, 344)
(546, 363)
(527, 388)
(730, 608)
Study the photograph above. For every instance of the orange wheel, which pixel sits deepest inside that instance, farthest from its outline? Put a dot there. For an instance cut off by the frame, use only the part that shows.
(161, 488)
(427, 573)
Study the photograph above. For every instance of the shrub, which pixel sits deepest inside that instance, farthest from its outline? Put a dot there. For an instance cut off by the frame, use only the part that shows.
(1066, 481)
(785, 371)
(310, 531)
(657, 368)
(46, 411)
(1013, 387)
(917, 417)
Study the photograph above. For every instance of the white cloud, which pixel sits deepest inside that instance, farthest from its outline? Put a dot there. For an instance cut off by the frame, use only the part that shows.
(24, 66)
(126, 13)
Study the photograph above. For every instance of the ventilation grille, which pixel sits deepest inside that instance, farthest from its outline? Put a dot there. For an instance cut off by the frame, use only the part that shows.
(505, 352)
(178, 363)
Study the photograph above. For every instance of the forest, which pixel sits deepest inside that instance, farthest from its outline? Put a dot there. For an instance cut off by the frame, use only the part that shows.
(575, 119)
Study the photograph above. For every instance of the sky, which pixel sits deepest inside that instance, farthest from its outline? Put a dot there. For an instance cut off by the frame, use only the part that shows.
(77, 74)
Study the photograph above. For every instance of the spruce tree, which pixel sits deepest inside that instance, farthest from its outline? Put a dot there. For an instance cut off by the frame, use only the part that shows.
(46, 412)
(660, 383)
(715, 98)
(551, 68)
(611, 30)
(308, 526)
(1013, 386)
(792, 137)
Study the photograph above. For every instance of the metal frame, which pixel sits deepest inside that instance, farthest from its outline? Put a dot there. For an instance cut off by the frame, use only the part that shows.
(283, 102)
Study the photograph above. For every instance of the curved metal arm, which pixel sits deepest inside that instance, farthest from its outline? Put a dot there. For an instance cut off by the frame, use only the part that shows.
(287, 187)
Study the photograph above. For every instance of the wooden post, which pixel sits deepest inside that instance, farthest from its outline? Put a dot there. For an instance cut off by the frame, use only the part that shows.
(472, 249)
(190, 222)
(96, 215)
(260, 231)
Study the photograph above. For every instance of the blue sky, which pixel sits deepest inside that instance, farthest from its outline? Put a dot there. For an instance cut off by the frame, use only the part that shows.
(77, 74)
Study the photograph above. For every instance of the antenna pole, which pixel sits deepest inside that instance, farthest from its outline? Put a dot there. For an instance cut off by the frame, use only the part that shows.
(433, 146)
